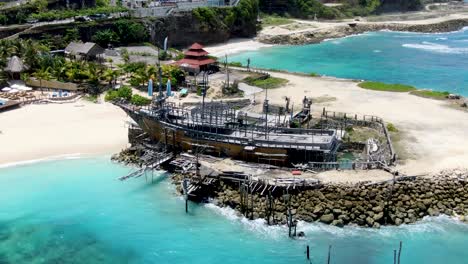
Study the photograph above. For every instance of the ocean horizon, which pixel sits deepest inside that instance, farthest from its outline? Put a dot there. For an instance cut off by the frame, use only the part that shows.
(436, 61)
(76, 211)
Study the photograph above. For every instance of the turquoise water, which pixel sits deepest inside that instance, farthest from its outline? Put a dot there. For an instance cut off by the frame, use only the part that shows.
(75, 211)
(433, 61)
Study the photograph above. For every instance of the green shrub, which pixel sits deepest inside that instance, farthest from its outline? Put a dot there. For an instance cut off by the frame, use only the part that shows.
(379, 86)
(111, 96)
(431, 94)
(274, 20)
(92, 98)
(105, 37)
(125, 92)
(140, 100)
(164, 55)
(235, 64)
(265, 83)
(391, 127)
(313, 74)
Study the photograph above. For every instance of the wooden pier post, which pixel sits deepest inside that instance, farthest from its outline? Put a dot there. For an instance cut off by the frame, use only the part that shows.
(394, 257)
(251, 204)
(308, 252)
(185, 189)
(399, 252)
(329, 254)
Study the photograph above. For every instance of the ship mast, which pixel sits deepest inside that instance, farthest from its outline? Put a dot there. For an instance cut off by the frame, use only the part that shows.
(265, 108)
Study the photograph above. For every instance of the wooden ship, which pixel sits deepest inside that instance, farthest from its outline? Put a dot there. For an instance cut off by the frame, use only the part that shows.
(220, 130)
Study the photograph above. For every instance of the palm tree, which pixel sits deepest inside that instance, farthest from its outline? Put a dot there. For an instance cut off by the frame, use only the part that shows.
(111, 76)
(42, 74)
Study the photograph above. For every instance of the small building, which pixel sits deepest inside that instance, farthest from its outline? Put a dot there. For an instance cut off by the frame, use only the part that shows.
(84, 51)
(196, 59)
(15, 67)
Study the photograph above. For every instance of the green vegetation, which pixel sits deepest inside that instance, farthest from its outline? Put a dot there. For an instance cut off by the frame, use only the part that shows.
(265, 82)
(313, 74)
(241, 17)
(391, 128)
(93, 98)
(274, 20)
(431, 94)
(164, 55)
(310, 9)
(140, 100)
(69, 13)
(140, 73)
(379, 86)
(105, 37)
(235, 64)
(131, 32)
(123, 92)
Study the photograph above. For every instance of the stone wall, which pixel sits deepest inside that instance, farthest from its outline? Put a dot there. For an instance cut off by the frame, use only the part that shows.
(404, 202)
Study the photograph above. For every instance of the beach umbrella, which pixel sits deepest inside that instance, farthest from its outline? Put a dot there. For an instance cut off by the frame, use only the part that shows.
(168, 87)
(150, 87)
(13, 91)
(6, 89)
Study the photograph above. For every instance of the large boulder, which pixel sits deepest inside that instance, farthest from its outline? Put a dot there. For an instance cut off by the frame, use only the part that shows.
(327, 218)
(377, 209)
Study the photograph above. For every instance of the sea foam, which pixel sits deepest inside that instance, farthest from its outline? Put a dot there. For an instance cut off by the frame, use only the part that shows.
(438, 48)
(434, 225)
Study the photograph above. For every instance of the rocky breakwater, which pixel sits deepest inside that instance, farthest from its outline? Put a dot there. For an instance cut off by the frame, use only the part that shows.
(342, 30)
(403, 202)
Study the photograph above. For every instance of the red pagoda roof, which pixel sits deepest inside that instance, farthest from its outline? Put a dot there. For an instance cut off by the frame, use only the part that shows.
(194, 63)
(196, 53)
(196, 46)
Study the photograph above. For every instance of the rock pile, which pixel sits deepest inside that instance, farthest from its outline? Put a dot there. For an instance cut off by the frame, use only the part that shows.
(404, 202)
(128, 156)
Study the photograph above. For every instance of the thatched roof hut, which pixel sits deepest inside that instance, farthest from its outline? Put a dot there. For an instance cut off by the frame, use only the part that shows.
(88, 50)
(15, 65)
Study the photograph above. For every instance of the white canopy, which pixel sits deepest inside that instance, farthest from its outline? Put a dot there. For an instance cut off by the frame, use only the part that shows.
(21, 87)
(13, 91)
(6, 89)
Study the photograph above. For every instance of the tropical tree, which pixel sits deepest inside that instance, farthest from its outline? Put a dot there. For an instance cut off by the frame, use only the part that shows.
(111, 76)
(42, 74)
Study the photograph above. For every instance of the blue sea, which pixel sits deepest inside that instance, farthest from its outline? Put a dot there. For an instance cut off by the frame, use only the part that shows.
(430, 61)
(76, 211)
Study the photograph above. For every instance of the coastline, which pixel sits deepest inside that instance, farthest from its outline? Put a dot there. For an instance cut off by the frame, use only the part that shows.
(315, 32)
(371, 205)
(41, 132)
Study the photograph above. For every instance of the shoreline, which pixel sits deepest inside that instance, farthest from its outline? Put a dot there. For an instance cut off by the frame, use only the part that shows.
(335, 78)
(317, 32)
(335, 204)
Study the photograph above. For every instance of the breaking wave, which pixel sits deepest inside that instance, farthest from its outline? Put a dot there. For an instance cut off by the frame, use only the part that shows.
(428, 225)
(438, 48)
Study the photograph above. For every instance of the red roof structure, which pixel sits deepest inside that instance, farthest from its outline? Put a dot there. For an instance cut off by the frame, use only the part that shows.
(196, 58)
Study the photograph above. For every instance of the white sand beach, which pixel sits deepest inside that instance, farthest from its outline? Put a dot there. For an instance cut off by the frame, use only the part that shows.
(43, 131)
(235, 46)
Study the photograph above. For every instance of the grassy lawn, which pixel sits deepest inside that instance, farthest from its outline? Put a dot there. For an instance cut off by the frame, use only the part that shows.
(268, 83)
(379, 86)
(431, 94)
(268, 21)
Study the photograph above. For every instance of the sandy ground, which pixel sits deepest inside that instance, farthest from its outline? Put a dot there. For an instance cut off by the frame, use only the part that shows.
(432, 133)
(42, 131)
(234, 46)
